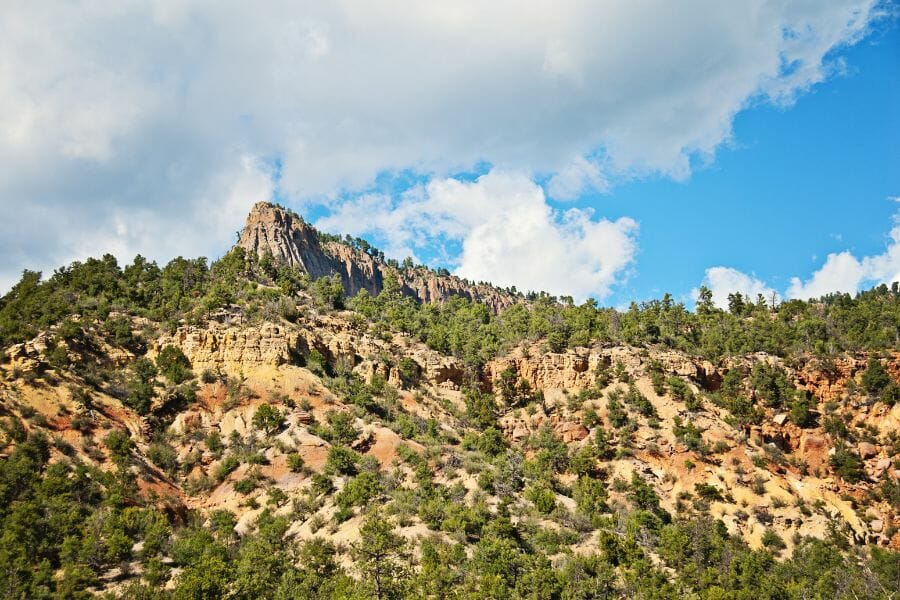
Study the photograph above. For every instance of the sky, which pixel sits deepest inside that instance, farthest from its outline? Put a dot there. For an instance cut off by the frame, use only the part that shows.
(614, 150)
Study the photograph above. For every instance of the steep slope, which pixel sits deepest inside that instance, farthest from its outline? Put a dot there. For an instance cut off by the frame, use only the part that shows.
(287, 238)
(771, 476)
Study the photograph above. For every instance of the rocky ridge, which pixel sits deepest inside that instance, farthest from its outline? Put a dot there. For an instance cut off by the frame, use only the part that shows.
(287, 238)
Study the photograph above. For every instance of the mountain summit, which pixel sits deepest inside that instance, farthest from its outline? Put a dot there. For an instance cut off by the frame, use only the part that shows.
(284, 235)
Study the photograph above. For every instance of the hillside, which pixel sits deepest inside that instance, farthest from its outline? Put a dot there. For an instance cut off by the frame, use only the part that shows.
(303, 418)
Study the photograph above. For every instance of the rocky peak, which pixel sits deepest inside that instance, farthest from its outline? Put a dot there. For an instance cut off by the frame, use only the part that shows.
(271, 229)
(287, 237)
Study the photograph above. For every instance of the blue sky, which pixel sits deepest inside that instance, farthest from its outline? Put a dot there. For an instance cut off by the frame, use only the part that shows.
(612, 150)
(797, 183)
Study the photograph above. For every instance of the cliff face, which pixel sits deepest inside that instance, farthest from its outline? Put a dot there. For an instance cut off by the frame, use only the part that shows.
(271, 229)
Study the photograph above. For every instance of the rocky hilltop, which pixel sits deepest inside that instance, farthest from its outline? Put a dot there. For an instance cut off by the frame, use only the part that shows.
(287, 238)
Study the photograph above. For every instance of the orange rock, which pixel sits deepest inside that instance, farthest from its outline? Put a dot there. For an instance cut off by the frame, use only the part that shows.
(572, 432)
(866, 450)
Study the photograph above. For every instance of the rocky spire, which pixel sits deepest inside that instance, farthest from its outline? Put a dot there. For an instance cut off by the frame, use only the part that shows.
(287, 237)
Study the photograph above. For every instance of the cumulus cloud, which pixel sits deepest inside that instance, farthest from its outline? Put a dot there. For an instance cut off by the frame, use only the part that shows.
(118, 120)
(723, 281)
(576, 178)
(842, 272)
(508, 233)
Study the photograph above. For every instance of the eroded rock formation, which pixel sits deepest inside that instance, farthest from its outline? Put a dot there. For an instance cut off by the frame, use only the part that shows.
(285, 236)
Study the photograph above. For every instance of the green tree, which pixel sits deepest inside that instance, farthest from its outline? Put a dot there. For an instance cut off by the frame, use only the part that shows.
(875, 377)
(381, 557)
(173, 364)
(267, 418)
(141, 385)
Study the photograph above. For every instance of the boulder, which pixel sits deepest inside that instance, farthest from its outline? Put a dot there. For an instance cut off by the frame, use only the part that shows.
(866, 450)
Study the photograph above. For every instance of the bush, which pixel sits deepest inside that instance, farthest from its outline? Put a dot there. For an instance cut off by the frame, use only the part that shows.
(542, 497)
(226, 466)
(214, 442)
(359, 491)
(317, 363)
(341, 429)
(267, 418)
(590, 495)
(708, 492)
(173, 364)
(341, 460)
(321, 484)
(800, 413)
(876, 377)
(295, 462)
(491, 442)
(119, 444)
(141, 386)
(771, 384)
(846, 464)
(772, 540)
(590, 419)
(164, 457)
(246, 485)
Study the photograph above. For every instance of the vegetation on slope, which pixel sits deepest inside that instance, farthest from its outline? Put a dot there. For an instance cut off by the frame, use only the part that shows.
(190, 290)
(70, 528)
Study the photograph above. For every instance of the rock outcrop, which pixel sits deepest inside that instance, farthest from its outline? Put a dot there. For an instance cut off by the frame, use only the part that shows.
(285, 236)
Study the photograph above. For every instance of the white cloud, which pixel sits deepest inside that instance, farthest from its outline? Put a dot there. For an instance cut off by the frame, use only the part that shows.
(885, 267)
(840, 273)
(576, 178)
(160, 230)
(723, 281)
(131, 113)
(843, 272)
(508, 232)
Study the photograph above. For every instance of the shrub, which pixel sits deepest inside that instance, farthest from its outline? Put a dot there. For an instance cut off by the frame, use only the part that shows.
(214, 442)
(876, 377)
(590, 419)
(846, 464)
(246, 485)
(119, 444)
(141, 387)
(173, 364)
(295, 462)
(164, 457)
(772, 540)
(542, 497)
(341, 429)
(359, 491)
(708, 492)
(800, 413)
(341, 460)
(267, 418)
(491, 442)
(226, 466)
(590, 495)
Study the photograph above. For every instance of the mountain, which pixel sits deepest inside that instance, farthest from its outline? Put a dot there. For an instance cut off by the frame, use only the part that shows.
(288, 239)
(249, 429)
